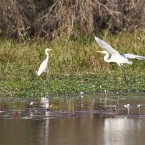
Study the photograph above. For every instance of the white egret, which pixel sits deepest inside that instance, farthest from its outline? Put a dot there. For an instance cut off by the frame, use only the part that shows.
(138, 106)
(43, 66)
(128, 107)
(44, 100)
(115, 56)
(46, 104)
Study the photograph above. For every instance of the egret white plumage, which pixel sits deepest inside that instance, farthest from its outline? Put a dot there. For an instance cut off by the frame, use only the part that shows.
(114, 55)
(138, 106)
(46, 104)
(128, 107)
(43, 66)
(44, 100)
(31, 104)
(82, 94)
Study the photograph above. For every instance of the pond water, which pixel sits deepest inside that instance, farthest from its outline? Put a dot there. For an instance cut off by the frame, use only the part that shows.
(100, 119)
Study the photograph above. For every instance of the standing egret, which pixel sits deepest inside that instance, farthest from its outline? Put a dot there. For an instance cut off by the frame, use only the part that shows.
(138, 106)
(43, 66)
(45, 102)
(115, 56)
(128, 108)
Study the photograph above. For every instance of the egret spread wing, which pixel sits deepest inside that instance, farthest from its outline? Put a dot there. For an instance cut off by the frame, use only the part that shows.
(106, 46)
(133, 56)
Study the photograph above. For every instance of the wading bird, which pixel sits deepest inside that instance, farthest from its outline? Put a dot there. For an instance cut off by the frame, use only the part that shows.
(128, 108)
(46, 104)
(114, 55)
(44, 100)
(43, 66)
(138, 106)
(32, 103)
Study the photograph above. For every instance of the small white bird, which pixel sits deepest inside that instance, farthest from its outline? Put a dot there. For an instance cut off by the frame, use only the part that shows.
(128, 107)
(43, 66)
(82, 94)
(32, 103)
(138, 106)
(115, 56)
(44, 100)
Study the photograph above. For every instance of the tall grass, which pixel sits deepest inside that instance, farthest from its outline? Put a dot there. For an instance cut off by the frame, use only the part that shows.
(19, 63)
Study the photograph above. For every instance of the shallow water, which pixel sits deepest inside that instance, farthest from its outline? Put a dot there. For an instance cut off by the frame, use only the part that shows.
(90, 119)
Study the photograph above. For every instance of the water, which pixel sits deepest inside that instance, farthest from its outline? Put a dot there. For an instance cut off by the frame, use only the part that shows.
(79, 120)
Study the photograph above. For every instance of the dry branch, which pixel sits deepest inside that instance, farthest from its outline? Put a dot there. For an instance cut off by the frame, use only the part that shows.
(68, 18)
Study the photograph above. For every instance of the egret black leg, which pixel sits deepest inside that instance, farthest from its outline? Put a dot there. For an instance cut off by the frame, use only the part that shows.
(124, 73)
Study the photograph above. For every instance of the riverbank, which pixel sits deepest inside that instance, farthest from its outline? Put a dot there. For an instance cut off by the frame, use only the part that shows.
(74, 66)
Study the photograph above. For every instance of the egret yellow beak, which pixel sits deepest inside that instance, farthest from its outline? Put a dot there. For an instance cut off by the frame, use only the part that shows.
(50, 49)
(99, 51)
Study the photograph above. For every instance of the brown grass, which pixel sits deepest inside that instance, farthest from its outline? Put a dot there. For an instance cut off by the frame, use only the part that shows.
(29, 19)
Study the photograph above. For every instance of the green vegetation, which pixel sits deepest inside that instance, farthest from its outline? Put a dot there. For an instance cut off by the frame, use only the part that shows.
(78, 58)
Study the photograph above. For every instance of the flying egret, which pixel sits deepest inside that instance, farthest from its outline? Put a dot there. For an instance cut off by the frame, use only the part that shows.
(43, 66)
(115, 56)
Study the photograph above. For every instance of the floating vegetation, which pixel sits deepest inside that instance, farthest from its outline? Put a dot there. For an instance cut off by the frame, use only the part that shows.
(110, 105)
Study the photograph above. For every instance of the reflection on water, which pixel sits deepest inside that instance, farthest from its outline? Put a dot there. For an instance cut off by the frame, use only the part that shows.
(79, 120)
(124, 131)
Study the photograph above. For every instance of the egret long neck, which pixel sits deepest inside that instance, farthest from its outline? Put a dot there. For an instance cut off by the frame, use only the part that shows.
(47, 56)
(106, 57)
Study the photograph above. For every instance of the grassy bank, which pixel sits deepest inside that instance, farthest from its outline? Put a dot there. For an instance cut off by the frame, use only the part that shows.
(78, 58)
